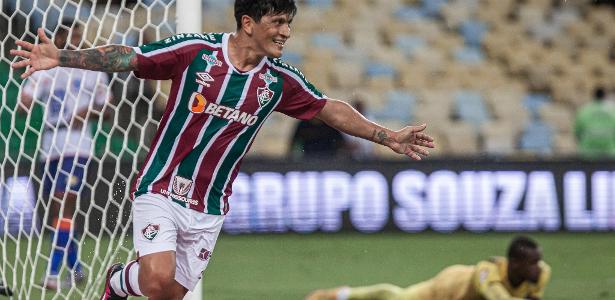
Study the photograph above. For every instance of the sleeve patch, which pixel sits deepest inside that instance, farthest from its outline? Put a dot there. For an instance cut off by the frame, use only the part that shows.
(483, 275)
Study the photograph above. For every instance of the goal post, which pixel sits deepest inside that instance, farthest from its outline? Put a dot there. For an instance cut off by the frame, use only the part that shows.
(189, 20)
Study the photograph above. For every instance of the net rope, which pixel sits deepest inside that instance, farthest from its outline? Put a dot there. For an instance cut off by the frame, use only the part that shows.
(121, 139)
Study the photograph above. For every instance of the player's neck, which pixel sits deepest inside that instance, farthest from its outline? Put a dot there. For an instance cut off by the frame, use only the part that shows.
(241, 53)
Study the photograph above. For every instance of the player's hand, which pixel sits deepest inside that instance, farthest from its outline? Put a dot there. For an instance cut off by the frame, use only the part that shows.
(412, 142)
(42, 56)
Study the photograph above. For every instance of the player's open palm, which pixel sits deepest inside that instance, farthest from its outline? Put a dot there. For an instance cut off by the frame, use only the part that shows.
(41, 56)
(412, 142)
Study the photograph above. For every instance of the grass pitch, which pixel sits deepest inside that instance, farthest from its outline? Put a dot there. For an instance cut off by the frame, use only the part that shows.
(288, 266)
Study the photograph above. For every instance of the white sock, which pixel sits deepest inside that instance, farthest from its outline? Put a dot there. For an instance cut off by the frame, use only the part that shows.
(116, 284)
(126, 282)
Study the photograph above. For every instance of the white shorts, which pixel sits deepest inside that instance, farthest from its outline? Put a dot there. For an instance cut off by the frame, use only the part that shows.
(160, 225)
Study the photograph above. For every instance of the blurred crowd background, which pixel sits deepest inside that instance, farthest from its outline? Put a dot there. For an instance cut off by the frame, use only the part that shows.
(518, 79)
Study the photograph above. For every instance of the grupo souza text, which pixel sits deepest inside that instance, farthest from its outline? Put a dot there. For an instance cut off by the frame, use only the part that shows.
(415, 201)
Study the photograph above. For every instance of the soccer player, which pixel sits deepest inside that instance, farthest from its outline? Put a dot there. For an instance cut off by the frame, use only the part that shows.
(70, 97)
(224, 86)
(521, 275)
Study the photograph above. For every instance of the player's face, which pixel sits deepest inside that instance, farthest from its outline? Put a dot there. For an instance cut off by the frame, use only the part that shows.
(529, 268)
(271, 34)
(75, 38)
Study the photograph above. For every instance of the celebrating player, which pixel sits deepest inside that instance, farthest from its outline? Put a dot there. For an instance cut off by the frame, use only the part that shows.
(224, 86)
(67, 95)
(521, 275)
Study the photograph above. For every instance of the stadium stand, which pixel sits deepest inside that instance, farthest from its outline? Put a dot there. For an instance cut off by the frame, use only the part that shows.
(505, 64)
(507, 75)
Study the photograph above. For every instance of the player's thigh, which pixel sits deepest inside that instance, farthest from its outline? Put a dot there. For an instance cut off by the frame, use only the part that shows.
(382, 291)
(195, 246)
(420, 291)
(154, 229)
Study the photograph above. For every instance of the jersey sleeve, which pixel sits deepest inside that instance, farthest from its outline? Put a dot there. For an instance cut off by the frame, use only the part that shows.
(545, 276)
(488, 283)
(300, 99)
(165, 59)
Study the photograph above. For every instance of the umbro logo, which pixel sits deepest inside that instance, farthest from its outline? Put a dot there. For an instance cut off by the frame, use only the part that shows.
(203, 78)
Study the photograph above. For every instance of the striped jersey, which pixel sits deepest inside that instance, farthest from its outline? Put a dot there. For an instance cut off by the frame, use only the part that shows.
(212, 116)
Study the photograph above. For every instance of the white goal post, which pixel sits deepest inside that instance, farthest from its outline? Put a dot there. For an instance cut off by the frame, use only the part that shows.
(101, 226)
(189, 19)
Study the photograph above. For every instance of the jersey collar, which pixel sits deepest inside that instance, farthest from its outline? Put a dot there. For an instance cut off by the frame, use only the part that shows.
(225, 39)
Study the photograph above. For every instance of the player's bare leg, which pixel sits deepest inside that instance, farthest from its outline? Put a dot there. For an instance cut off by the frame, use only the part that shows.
(375, 292)
(330, 294)
(157, 277)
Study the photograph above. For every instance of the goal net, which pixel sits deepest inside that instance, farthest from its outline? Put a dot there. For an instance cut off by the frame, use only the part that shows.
(120, 137)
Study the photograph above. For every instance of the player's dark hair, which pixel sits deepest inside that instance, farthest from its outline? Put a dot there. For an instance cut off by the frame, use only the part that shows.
(519, 246)
(256, 9)
(66, 25)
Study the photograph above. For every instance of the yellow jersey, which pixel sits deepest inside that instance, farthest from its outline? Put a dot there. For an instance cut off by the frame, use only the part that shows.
(487, 280)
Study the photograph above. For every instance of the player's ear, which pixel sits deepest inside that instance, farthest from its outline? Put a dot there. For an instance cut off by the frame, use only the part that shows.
(247, 23)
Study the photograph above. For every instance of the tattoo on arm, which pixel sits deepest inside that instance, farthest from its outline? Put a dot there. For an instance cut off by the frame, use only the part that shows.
(381, 137)
(112, 58)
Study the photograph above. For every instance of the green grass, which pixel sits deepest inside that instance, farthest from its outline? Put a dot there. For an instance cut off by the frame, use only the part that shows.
(288, 266)
(25, 265)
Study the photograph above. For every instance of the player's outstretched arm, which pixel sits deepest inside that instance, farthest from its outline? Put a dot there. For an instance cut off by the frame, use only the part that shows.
(45, 55)
(409, 140)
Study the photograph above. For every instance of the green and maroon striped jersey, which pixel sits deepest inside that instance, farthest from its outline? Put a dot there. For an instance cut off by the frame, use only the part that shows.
(212, 116)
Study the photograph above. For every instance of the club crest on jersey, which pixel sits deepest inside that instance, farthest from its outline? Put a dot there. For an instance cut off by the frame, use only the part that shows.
(264, 95)
(203, 78)
(73, 181)
(181, 185)
(212, 60)
(204, 255)
(150, 231)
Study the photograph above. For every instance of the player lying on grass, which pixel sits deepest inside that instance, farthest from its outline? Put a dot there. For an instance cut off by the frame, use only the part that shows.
(224, 86)
(521, 275)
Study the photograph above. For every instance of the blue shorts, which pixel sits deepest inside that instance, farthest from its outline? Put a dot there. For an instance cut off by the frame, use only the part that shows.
(68, 178)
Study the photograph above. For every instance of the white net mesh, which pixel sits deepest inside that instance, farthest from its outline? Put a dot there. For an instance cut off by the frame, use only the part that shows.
(120, 139)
